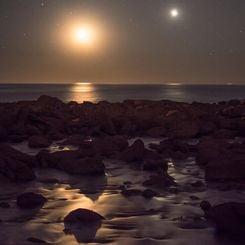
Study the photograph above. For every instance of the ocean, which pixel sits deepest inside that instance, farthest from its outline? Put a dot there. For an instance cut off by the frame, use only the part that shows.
(116, 93)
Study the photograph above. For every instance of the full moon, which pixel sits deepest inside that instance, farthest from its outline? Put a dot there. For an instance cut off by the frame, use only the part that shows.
(174, 13)
(84, 35)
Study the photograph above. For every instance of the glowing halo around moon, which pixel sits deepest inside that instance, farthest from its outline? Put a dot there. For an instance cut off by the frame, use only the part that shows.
(78, 36)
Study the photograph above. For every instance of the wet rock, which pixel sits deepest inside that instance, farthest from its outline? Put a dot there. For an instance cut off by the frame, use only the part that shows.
(137, 153)
(39, 142)
(30, 200)
(155, 165)
(205, 205)
(160, 181)
(82, 215)
(49, 181)
(131, 192)
(3, 134)
(197, 183)
(88, 165)
(209, 149)
(194, 198)
(157, 132)
(226, 168)
(36, 240)
(83, 224)
(207, 127)
(73, 162)
(185, 129)
(195, 222)
(228, 217)
(15, 166)
(9, 152)
(148, 193)
(225, 134)
(4, 205)
(110, 145)
(44, 101)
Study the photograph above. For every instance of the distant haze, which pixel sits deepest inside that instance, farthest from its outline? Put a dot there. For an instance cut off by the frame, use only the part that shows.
(122, 41)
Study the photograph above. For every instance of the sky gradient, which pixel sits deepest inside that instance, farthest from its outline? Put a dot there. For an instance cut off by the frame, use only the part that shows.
(137, 41)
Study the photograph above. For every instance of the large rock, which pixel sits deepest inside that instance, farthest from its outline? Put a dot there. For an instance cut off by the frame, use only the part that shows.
(226, 168)
(160, 181)
(157, 132)
(228, 217)
(83, 224)
(209, 149)
(9, 152)
(15, 166)
(39, 142)
(138, 153)
(73, 162)
(185, 129)
(88, 165)
(3, 134)
(82, 215)
(155, 165)
(30, 200)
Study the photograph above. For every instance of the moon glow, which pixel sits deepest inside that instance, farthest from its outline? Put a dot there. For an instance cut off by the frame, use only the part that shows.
(174, 13)
(84, 35)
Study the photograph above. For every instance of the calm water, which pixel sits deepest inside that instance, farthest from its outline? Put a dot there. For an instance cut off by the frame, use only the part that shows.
(117, 93)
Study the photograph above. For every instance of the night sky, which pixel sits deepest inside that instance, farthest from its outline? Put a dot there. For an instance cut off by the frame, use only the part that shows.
(133, 41)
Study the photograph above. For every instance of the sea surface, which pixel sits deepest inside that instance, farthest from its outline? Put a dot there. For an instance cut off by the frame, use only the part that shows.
(116, 93)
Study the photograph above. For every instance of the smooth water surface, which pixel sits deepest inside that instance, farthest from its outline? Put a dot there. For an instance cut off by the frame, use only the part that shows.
(117, 93)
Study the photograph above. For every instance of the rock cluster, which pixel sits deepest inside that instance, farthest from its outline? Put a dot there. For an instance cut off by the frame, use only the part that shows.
(102, 131)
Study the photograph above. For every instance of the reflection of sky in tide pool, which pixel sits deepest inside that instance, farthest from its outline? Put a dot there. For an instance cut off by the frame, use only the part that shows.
(129, 220)
(117, 92)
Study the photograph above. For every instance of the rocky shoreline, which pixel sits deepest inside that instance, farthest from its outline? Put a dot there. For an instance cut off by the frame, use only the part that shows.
(211, 134)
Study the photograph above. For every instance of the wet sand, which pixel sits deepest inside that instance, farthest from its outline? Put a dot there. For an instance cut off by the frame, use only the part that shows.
(174, 217)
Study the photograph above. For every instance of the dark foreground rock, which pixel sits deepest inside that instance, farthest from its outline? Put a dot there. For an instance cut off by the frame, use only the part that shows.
(160, 181)
(15, 166)
(137, 153)
(82, 215)
(73, 162)
(228, 217)
(39, 142)
(36, 240)
(83, 224)
(223, 161)
(30, 200)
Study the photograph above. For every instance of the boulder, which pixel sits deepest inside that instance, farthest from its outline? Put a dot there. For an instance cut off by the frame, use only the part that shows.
(157, 132)
(148, 193)
(160, 181)
(39, 142)
(131, 192)
(3, 134)
(87, 166)
(73, 162)
(83, 215)
(185, 129)
(228, 217)
(15, 166)
(30, 200)
(226, 168)
(9, 152)
(137, 153)
(36, 240)
(209, 149)
(155, 165)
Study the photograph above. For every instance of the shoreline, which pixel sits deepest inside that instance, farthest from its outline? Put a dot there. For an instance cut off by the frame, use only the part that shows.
(164, 163)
